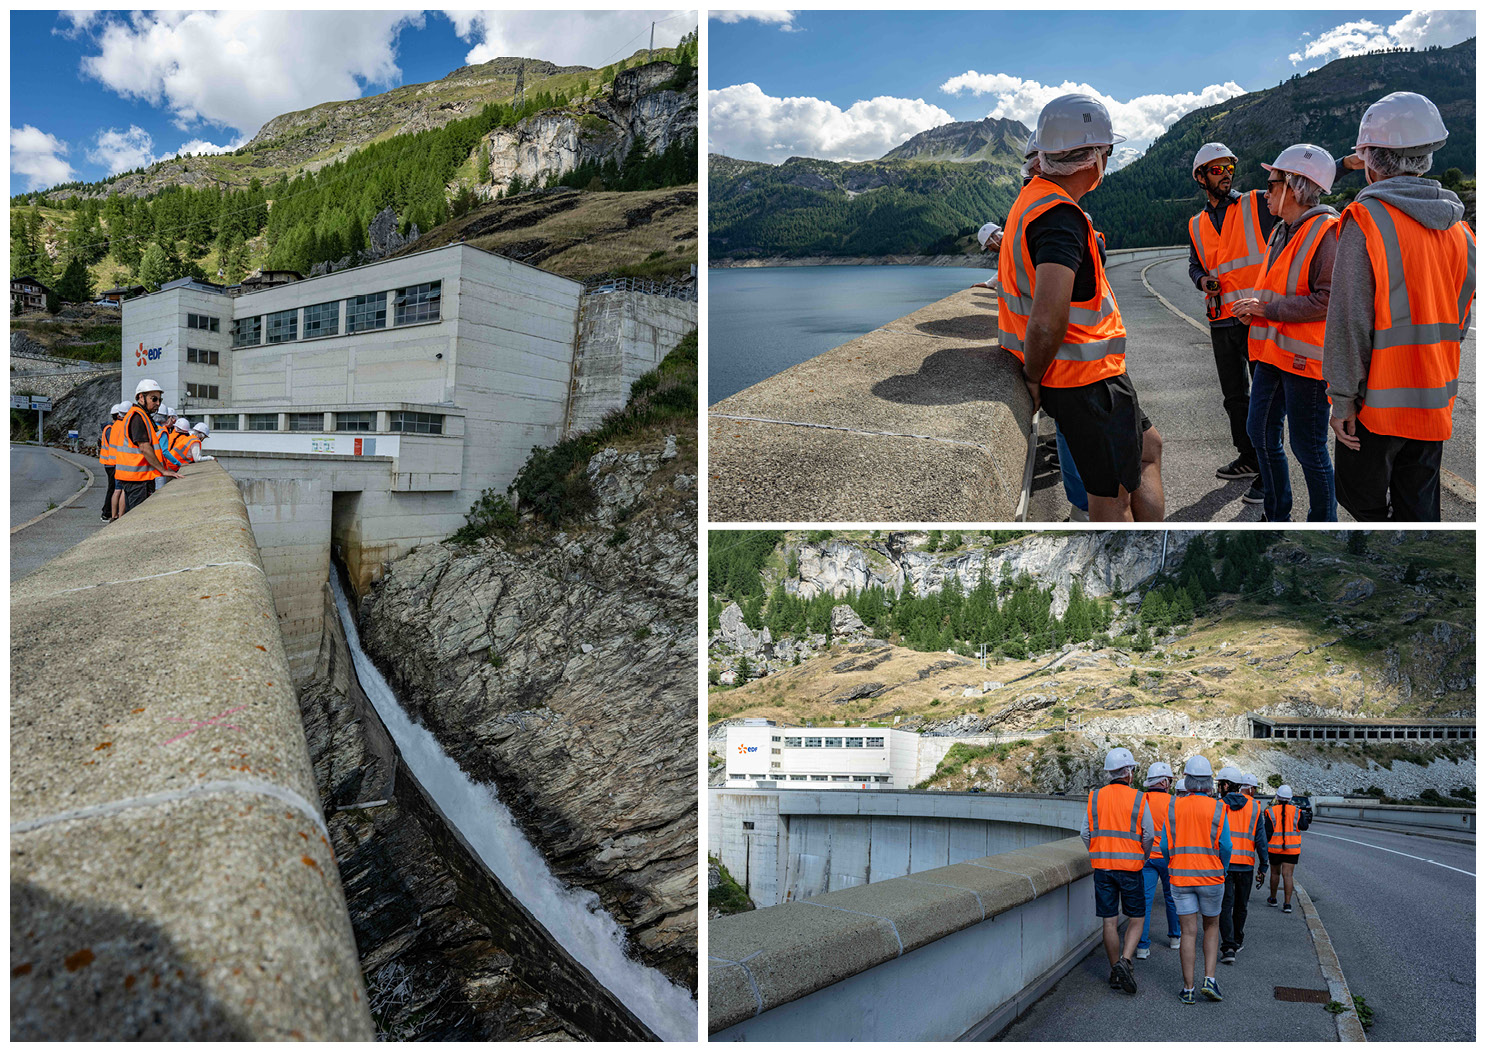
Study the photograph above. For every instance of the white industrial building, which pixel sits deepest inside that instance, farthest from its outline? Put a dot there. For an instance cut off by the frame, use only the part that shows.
(372, 406)
(761, 755)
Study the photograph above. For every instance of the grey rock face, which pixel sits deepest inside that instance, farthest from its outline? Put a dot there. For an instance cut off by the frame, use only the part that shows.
(845, 622)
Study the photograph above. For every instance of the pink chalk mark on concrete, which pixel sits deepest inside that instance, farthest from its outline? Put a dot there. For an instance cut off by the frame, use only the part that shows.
(200, 724)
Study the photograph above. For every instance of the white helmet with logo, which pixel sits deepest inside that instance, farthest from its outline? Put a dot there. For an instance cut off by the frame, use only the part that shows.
(1310, 161)
(1073, 121)
(1403, 121)
(1159, 769)
(1199, 766)
(1118, 760)
(1210, 152)
(145, 386)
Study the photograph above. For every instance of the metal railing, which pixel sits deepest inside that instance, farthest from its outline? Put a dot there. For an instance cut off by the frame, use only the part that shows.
(671, 289)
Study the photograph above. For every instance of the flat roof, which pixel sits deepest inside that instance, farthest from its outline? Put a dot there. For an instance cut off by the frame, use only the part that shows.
(1327, 721)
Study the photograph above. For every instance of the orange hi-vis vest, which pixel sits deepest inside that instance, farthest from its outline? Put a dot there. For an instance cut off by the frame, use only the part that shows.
(1424, 283)
(180, 441)
(1159, 802)
(1235, 256)
(131, 465)
(108, 456)
(1093, 348)
(1294, 346)
(1194, 826)
(1286, 835)
(1243, 828)
(1114, 827)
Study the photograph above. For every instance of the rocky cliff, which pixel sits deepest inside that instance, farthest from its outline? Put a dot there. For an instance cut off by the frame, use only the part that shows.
(561, 666)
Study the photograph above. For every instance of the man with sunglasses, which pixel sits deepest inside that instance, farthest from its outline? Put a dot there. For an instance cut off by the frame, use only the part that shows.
(138, 461)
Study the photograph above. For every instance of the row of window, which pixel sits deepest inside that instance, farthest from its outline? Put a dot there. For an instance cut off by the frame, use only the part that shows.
(414, 423)
(832, 743)
(204, 322)
(202, 356)
(207, 391)
(411, 305)
(814, 777)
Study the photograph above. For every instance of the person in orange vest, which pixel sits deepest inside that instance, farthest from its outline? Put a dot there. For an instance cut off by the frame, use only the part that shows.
(199, 434)
(1157, 794)
(1118, 831)
(1287, 325)
(1197, 843)
(1282, 825)
(166, 441)
(108, 456)
(1057, 313)
(1402, 290)
(1250, 853)
(138, 460)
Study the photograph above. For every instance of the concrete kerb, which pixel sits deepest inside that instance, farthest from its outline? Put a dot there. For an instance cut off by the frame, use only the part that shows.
(1348, 1026)
(66, 503)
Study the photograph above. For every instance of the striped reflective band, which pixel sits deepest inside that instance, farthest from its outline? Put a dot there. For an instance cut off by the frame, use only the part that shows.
(1076, 315)
(1403, 332)
(1469, 288)
(1213, 836)
(1286, 343)
(1411, 397)
(1314, 228)
(1073, 352)
(1241, 294)
(1019, 265)
(1235, 264)
(1249, 210)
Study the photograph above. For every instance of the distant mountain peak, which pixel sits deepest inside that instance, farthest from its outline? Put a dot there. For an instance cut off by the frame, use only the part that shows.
(986, 139)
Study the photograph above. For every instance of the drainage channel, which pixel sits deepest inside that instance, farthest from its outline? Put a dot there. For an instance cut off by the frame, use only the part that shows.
(571, 916)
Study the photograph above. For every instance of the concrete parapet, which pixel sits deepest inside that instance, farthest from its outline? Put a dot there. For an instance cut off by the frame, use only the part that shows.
(170, 874)
(924, 419)
(968, 938)
(1458, 818)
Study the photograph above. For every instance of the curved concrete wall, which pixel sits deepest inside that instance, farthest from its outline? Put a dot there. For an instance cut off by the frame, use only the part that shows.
(170, 874)
(1458, 818)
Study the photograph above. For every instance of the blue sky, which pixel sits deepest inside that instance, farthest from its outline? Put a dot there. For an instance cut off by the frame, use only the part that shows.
(851, 85)
(94, 93)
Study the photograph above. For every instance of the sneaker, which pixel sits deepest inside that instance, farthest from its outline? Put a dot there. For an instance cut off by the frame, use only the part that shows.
(1238, 948)
(1287, 909)
(1210, 989)
(1176, 942)
(1125, 974)
(1255, 494)
(1141, 955)
(1228, 957)
(1239, 468)
(1189, 997)
(1076, 514)
(1273, 901)
(1114, 978)
(105, 518)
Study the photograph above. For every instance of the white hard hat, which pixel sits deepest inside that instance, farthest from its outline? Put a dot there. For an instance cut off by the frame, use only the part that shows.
(182, 424)
(1209, 152)
(1072, 121)
(1159, 769)
(1118, 760)
(1230, 774)
(169, 411)
(1284, 792)
(1199, 766)
(1181, 785)
(205, 431)
(1403, 121)
(1031, 148)
(986, 232)
(144, 386)
(1248, 779)
(1310, 161)
(120, 408)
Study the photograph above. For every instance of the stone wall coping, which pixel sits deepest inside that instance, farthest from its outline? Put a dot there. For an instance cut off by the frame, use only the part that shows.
(769, 957)
(274, 455)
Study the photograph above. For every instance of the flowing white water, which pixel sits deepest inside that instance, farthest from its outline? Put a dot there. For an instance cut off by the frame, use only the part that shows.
(572, 915)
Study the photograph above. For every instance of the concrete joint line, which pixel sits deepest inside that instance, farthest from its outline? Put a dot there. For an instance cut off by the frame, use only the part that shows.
(752, 982)
(1348, 1026)
(1168, 304)
(69, 501)
(891, 923)
(848, 430)
(156, 576)
(1013, 872)
(956, 887)
(240, 786)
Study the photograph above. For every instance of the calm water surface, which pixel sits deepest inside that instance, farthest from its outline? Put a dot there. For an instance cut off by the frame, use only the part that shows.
(762, 320)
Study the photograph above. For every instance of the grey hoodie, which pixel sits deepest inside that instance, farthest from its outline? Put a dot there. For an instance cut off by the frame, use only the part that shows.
(1349, 316)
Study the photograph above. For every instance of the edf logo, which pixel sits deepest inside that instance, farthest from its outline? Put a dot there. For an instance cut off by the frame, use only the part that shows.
(743, 750)
(141, 355)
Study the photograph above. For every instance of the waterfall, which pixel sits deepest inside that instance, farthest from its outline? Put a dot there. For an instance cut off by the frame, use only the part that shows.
(572, 916)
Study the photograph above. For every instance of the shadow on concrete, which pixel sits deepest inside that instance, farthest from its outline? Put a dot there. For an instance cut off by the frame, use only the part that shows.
(136, 985)
(1205, 508)
(967, 327)
(952, 376)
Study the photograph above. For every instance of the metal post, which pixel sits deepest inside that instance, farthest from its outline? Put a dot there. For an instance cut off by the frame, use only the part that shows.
(40, 440)
(650, 55)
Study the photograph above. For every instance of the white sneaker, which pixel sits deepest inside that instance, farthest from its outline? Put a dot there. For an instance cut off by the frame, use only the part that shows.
(1176, 944)
(1076, 514)
(1141, 955)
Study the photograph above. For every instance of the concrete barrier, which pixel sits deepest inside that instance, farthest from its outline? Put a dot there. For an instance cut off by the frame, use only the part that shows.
(1457, 818)
(170, 874)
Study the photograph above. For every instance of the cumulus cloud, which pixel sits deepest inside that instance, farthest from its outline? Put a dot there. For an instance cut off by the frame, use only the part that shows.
(237, 69)
(119, 151)
(75, 24)
(1417, 29)
(568, 38)
(785, 20)
(37, 155)
(1141, 119)
(746, 123)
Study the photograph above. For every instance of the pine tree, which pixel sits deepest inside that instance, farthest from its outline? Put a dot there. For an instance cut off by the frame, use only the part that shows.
(482, 173)
(76, 285)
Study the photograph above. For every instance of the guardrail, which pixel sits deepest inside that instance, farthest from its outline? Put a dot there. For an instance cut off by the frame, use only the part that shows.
(1458, 818)
(171, 878)
(672, 290)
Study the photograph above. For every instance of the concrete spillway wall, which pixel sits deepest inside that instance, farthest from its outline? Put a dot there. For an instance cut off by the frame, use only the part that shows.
(622, 335)
(170, 874)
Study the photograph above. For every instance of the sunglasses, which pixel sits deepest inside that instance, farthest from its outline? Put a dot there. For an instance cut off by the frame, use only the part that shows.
(1274, 183)
(1219, 169)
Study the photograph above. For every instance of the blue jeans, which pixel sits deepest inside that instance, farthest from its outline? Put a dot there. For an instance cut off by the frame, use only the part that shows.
(1276, 395)
(1073, 486)
(1155, 871)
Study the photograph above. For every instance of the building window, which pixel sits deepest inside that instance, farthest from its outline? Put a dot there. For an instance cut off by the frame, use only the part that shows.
(418, 303)
(812, 743)
(247, 332)
(776, 752)
(323, 319)
(747, 825)
(883, 778)
(283, 326)
(224, 423)
(208, 391)
(306, 421)
(366, 312)
(418, 423)
(355, 421)
(737, 776)
(792, 743)
(202, 356)
(775, 765)
(797, 777)
(204, 322)
(263, 421)
(874, 743)
(833, 743)
(843, 778)
(775, 738)
(819, 778)
(853, 743)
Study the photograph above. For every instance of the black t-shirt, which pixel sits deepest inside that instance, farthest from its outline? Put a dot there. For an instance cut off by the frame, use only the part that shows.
(139, 432)
(1061, 235)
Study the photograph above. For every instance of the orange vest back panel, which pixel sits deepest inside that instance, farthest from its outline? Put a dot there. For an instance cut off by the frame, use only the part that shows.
(1286, 836)
(1235, 256)
(1243, 827)
(1159, 803)
(1194, 826)
(1294, 347)
(1114, 826)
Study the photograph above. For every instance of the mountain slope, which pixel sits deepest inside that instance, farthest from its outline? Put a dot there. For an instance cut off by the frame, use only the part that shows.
(990, 139)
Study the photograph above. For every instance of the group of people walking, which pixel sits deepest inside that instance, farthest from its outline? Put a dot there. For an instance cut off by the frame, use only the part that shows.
(1349, 323)
(142, 446)
(1203, 840)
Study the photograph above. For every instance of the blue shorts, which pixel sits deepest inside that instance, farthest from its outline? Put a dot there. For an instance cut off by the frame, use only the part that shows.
(1114, 886)
(1208, 898)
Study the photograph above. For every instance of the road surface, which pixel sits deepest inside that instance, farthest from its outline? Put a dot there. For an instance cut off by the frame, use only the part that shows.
(42, 476)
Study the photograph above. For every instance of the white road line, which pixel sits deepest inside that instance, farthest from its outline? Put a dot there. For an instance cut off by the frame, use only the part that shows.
(1390, 851)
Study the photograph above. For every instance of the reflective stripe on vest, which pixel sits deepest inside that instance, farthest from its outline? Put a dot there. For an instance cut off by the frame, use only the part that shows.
(1158, 801)
(1425, 281)
(1294, 346)
(1195, 859)
(1234, 255)
(1114, 834)
(131, 465)
(1286, 836)
(1093, 346)
(1243, 832)
(107, 455)
(179, 440)
(165, 446)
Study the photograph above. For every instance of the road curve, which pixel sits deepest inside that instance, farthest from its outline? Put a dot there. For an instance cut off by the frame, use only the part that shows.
(38, 478)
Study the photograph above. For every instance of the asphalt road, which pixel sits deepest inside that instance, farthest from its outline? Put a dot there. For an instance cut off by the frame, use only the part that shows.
(38, 478)
(1171, 364)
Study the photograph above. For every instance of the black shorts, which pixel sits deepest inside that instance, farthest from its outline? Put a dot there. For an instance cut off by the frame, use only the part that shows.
(136, 493)
(1278, 859)
(1103, 424)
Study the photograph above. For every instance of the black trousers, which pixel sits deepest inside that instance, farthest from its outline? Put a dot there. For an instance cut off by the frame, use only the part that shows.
(108, 498)
(1235, 907)
(1231, 355)
(1389, 478)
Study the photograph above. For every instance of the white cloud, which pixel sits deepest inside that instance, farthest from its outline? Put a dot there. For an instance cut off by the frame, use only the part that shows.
(119, 151)
(79, 23)
(237, 69)
(1141, 119)
(785, 20)
(568, 38)
(35, 154)
(201, 148)
(1417, 29)
(746, 123)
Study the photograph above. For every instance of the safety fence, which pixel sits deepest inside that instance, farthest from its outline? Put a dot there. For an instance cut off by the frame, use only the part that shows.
(671, 289)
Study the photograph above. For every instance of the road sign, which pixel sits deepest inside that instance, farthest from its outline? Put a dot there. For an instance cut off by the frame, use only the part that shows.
(72, 434)
(44, 404)
(20, 401)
